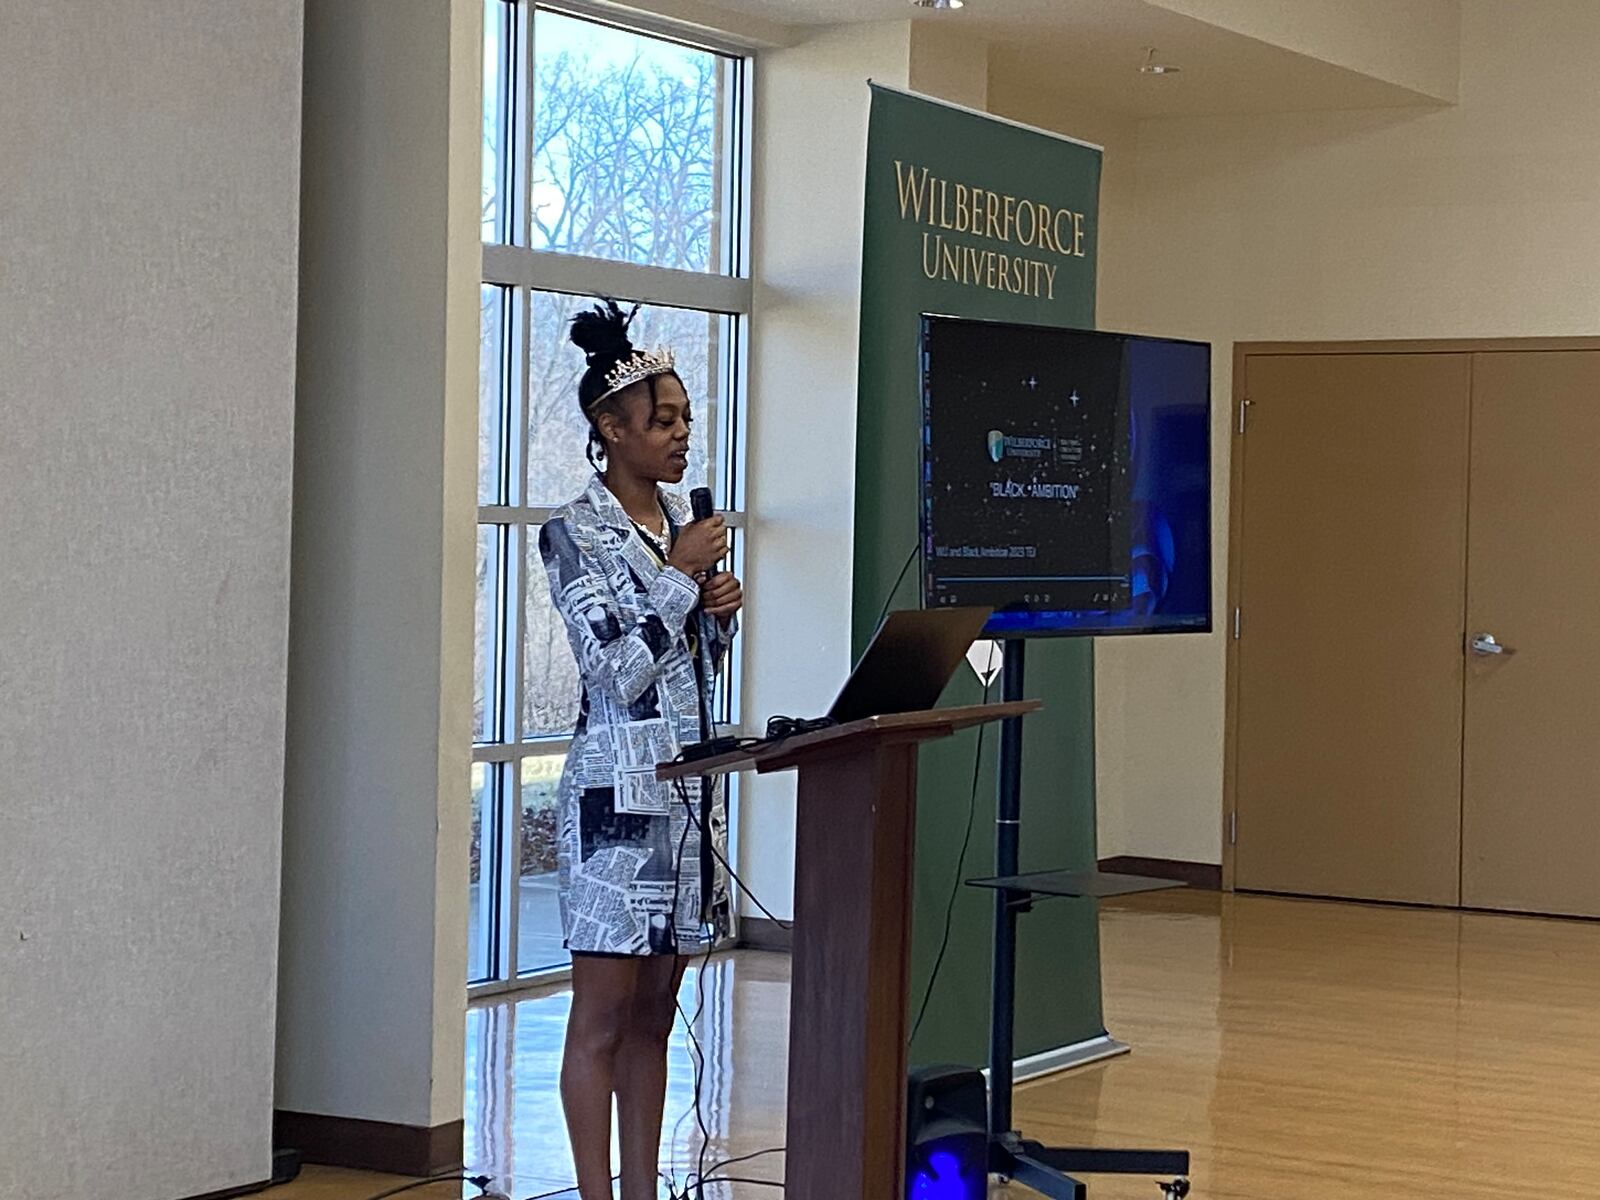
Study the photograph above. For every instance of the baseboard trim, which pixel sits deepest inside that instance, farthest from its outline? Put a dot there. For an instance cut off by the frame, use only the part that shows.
(410, 1150)
(760, 933)
(1206, 876)
(249, 1189)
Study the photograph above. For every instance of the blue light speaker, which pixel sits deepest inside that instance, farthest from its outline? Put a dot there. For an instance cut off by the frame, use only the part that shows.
(947, 1134)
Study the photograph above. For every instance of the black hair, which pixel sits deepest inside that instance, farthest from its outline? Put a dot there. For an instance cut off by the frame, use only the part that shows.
(601, 333)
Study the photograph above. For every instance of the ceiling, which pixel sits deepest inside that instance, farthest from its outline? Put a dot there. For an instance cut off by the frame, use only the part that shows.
(1089, 52)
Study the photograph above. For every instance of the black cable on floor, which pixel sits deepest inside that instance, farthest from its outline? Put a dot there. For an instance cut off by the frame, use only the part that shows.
(697, 1053)
(562, 1191)
(744, 1158)
(771, 1183)
(711, 1175)
(700, 1075)
(481, 1182)
(695, 1185)
(695, 1056)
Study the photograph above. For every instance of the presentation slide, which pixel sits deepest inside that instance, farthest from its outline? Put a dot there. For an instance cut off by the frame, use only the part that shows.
(1025, 468)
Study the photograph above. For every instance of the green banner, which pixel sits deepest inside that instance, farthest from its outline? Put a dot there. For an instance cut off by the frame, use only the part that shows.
(971, 216)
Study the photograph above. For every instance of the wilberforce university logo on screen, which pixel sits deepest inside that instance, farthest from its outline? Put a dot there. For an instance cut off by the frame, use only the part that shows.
(1002, 445)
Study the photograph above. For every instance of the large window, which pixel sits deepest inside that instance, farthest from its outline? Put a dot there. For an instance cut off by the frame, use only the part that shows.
(613, 164)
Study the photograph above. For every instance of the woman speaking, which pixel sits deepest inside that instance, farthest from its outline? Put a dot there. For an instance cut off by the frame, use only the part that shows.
(650, 617)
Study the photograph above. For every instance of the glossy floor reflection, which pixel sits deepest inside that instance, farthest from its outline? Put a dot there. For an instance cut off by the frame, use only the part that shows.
(1301, 1051)
(1306, 1051)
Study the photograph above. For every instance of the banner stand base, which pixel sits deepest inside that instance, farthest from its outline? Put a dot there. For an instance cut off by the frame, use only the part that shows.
(1065, 1058)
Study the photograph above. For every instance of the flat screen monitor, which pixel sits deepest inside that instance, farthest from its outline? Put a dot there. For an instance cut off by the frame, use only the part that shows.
(1066, 478)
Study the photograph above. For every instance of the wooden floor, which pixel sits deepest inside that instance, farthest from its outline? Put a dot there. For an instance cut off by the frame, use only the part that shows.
(1298, 1049)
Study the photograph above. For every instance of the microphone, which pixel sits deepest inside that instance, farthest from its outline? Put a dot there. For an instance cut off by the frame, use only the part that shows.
(700, 508)
(700, 503)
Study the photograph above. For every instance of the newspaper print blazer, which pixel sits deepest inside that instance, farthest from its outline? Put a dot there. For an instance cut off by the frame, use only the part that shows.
(636, 875)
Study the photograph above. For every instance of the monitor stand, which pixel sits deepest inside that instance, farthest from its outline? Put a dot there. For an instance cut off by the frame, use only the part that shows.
(1047, 1170)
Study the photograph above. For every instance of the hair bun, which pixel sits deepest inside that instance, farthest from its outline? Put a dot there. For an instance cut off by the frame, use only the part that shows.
(601, 333)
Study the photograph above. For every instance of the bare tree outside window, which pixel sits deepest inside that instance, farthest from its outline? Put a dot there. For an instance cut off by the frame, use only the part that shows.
(627, 157)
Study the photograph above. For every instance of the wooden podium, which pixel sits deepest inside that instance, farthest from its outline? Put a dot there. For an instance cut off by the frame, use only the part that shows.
(854, 821)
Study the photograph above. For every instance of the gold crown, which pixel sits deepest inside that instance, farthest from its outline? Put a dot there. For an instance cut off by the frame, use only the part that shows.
(637, 366)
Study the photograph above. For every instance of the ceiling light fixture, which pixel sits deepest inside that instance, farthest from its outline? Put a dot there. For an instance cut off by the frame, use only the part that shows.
(944, 4)
(1152, 67)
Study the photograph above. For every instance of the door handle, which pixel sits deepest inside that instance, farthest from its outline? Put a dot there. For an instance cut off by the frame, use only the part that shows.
(1486, 644)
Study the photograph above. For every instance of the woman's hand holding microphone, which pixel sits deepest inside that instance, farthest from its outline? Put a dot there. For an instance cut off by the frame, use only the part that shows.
(699, 547)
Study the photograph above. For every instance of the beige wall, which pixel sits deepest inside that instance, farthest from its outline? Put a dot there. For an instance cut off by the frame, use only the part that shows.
(693, 19)
(949, 63)
(149, 200)
(1472, 221)
(1412, 43)
(810, 158)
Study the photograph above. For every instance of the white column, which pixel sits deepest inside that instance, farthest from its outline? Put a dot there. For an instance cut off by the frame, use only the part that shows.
(376, 825)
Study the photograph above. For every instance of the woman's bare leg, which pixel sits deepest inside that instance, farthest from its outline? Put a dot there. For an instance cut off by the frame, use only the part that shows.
(641, 1079)
(604, 999)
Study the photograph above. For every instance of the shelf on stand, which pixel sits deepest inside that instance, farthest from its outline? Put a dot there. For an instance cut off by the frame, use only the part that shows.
(1099, 884)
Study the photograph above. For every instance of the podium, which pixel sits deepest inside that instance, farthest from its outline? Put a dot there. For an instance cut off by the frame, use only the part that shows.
(855, 818)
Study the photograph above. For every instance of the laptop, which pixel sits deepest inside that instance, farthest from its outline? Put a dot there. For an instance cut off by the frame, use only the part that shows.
(909, 662)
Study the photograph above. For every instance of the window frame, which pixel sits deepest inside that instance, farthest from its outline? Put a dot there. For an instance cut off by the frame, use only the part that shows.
(520, 270)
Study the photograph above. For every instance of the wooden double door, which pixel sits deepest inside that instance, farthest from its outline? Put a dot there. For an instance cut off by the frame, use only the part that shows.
(1415, 676)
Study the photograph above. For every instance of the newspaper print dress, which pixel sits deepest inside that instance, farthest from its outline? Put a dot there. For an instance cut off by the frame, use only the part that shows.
(636, 876)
